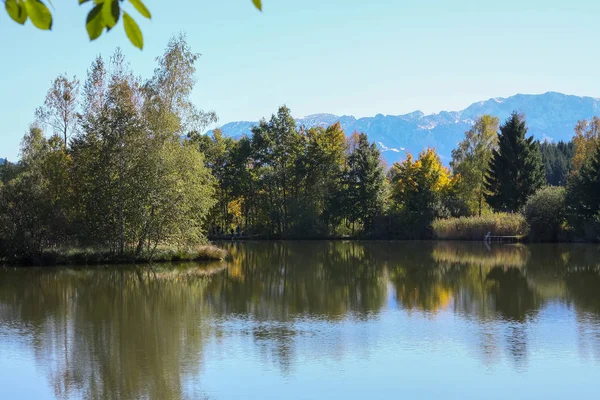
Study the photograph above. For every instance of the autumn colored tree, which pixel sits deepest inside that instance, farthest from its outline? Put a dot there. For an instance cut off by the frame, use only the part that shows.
(419, 188)
(584, 142)
(583, 192)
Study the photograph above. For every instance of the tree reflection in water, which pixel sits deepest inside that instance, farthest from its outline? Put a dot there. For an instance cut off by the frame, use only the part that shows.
(131, 332)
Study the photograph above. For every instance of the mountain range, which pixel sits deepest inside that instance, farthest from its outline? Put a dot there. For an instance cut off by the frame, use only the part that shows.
(550, 116)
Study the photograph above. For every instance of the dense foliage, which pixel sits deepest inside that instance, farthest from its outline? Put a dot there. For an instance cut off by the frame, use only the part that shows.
(124, 182)
(471, 159)
(583, 197)
(516, 170)
(557, 158)
(122, 165)
(420, 190)
(545, 212)
(290, 181)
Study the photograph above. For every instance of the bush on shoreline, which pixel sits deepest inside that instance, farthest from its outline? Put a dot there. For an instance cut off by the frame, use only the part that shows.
(545, 213)
(475, 228)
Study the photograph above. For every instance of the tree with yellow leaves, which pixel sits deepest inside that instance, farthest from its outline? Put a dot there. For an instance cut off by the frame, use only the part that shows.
(584, 142)
(420, 188)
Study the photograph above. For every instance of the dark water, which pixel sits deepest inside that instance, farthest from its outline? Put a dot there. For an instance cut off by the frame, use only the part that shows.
(311, 320)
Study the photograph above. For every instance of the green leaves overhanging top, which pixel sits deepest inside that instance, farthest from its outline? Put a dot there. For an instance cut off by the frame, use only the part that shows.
(104, 15)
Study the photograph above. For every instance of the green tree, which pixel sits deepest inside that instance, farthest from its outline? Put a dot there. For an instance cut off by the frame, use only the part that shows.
(8, 170)
(34, 204)
(516, 170)
(557, 158)
(109, 155)
(128, 183)
(277, 148)
(583, 190)
(545, 212)
(366, 184)
(471, 159)
(140, 186)
(324, 165)
(216, 149)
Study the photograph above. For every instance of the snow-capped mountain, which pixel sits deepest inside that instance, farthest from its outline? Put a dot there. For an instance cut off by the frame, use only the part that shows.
(550, 116)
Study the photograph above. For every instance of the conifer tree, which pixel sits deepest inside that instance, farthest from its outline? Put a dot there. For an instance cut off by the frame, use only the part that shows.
(366, 183)
(516, 170)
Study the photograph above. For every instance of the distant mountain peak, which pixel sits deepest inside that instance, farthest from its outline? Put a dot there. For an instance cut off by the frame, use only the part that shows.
(550, 116)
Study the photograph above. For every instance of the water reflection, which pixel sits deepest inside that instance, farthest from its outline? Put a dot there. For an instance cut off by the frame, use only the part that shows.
(110, 333)
(134, 332)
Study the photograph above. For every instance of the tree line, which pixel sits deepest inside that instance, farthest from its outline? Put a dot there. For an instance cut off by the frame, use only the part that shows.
(122, 164)
(288, 180)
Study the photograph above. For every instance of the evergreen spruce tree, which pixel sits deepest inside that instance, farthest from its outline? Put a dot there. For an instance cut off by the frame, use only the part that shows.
(366, 183)
(516, 170)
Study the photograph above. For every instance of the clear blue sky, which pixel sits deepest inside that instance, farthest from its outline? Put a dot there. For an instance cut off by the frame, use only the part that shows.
(340, 56)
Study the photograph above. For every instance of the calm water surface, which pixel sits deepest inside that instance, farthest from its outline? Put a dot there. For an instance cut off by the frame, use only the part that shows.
(311, 320)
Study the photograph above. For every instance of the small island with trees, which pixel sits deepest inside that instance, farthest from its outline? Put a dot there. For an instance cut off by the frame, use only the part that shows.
(119, 169)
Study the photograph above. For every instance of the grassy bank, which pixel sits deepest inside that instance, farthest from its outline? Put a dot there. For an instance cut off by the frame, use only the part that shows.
(88, 256)
(475, 228)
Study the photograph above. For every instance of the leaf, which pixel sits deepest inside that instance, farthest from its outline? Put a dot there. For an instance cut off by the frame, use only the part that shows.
(94, 23)
(16, 11)
(141, 7)
(83, 1)
(39, 14)
(257, 4)
(110, 13)
(133, 31)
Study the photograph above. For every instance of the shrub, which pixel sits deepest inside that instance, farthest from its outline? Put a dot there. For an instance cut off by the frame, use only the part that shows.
(545, 213)
(475, 228)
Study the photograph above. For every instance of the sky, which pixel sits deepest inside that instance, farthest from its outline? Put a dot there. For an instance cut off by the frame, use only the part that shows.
(347, 57)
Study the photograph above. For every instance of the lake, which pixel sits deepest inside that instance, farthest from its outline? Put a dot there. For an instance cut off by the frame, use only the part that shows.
(310, 320)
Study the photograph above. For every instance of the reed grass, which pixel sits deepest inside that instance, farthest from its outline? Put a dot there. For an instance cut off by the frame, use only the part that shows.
(475, 228)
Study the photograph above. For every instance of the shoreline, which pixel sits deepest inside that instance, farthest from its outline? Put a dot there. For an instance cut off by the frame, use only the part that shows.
(212, 252)
(509, 239)
(79, 256)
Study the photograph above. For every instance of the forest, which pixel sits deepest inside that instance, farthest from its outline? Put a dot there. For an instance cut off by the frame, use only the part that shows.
(121, 166)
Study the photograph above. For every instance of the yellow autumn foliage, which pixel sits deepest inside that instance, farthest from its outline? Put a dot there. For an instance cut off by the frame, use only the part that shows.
(426, 174)
(584, 142)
